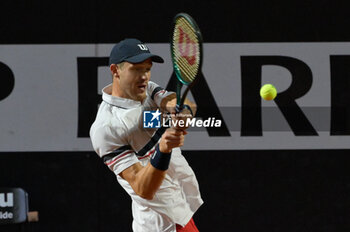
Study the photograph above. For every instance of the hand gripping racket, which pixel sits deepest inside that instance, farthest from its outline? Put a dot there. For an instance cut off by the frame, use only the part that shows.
(186, 54)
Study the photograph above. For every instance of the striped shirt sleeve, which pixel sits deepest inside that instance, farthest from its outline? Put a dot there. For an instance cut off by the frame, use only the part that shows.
(117, 155)
(120, 159)
(157, 93)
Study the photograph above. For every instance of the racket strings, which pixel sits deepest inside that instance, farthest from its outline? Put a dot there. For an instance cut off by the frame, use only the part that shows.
(189, 71)
(186, 49)
(186, 53)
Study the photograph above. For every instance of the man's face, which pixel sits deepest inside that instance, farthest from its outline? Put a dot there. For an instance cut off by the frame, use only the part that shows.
(133, 80)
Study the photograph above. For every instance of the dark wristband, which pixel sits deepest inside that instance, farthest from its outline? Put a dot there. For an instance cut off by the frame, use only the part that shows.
(160, 160)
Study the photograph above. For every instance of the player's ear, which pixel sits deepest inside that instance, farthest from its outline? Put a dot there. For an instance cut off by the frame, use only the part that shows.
(114, 70)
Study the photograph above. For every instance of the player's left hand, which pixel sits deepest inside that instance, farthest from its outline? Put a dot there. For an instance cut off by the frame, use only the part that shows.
(192, 106)
(170, 105)
(181, 120)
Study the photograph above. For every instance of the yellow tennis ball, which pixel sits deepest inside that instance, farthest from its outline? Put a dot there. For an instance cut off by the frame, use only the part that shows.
(268, 92)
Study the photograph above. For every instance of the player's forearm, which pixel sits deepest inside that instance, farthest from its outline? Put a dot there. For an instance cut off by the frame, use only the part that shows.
(148, 181)
(151, 177)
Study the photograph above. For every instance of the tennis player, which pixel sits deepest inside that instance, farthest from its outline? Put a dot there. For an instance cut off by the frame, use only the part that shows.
(148, 163)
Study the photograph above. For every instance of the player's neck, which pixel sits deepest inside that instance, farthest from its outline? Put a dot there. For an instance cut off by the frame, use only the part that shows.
(115, 90)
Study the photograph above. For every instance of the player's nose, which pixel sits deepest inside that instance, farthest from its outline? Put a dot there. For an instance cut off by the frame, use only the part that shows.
(144, 76)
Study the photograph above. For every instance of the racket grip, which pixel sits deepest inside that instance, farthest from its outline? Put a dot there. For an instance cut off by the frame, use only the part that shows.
(179, 108)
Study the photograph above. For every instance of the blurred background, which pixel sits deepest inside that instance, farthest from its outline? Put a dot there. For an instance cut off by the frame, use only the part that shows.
(281, 165)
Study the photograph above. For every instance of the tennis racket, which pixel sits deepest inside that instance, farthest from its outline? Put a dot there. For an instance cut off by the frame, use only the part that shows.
(186, 53)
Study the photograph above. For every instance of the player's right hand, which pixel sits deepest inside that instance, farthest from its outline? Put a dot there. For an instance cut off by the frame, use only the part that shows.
(172, 138)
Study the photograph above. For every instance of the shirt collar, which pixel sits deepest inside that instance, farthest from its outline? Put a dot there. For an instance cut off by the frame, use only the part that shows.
(118, 101)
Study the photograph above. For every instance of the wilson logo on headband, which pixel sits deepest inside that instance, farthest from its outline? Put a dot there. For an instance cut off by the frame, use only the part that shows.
(143, 47)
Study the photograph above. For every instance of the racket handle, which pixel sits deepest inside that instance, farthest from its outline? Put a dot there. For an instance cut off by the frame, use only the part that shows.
(179, 108)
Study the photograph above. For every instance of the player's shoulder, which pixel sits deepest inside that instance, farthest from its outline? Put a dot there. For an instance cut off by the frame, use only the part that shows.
(107, 125)
(104, 140)
(110, 128)
(105, 136)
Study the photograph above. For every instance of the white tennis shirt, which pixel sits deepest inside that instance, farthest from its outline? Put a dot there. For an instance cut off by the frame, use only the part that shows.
(119, 138)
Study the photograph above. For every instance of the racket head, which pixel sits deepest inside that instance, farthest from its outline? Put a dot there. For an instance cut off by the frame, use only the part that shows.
(186, 48)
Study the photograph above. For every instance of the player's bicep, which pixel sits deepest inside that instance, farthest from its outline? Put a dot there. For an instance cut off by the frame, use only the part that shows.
(129, 174)
(120, 159)
(136, 176)
(144, 180)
